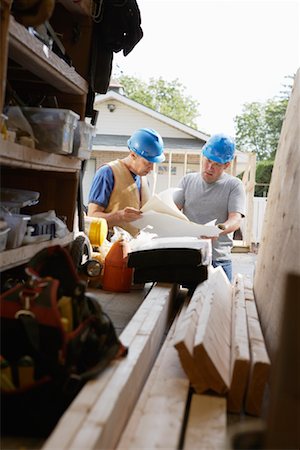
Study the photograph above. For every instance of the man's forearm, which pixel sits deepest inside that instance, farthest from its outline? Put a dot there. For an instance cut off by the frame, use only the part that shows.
(232, 224)
(112, 218)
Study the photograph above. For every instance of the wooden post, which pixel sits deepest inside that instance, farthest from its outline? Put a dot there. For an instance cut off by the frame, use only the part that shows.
(240, 355)
(170, 167)
(185, 163)
(4, 24)
(284, 410)
(249, 198)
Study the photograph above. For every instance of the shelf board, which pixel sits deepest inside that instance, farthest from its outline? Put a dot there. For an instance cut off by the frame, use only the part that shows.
(15, 155)
(21, 255)
(33, 55)
(78, 7)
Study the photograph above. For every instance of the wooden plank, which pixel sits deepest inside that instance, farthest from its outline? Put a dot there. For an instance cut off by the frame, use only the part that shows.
(33, 55)
(283, 420)
(4, 24)
(260, 362)
(280, 244)
(157, 419)
(21, 255)
(240, 355)
(98, 415)
(185, 336)
(16, 155)
(206, 425)
(212, 340)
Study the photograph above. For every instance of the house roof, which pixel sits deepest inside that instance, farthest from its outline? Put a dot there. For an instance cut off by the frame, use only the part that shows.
(118, 142)
(112, 95)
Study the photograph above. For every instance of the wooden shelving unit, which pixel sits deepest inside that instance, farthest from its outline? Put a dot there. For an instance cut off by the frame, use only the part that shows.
(33, 55)
(29, 66)
(21, 255)
(15, 155)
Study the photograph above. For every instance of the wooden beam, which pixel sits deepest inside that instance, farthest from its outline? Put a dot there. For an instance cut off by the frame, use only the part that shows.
(240, 355)
(212, 340)
(280, 244)
(185, 336)
(283, 420)
(4, 25)
(260, 362)
(157, 419)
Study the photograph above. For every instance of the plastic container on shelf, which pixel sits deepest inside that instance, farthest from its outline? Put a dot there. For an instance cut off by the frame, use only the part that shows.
(117, 277)
(18, 226)
(14, 199)
(53, 128)
(83, 137)
(3, 238)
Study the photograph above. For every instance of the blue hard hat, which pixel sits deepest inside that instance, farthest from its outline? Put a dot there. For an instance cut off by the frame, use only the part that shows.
(219, 148)
(147, 143)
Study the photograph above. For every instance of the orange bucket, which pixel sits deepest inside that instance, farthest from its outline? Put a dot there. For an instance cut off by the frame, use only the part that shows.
(117, 277)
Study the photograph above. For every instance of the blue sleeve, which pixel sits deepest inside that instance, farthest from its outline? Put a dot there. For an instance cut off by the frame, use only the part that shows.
(102, 186)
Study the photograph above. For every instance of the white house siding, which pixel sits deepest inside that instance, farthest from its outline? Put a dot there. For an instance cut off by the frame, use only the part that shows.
(125, 120)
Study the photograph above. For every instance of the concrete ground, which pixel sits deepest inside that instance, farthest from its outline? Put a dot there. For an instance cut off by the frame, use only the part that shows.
(244, 263)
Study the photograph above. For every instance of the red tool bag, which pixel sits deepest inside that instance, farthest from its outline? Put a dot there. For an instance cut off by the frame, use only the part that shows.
(54, 337)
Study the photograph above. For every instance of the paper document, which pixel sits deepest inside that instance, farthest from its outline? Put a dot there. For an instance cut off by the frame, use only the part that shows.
(162, 215)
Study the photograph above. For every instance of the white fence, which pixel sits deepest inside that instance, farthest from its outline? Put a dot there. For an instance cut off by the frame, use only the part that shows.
(259, 206)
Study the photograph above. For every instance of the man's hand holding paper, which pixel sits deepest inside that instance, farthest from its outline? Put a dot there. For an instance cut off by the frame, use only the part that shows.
(166, 220)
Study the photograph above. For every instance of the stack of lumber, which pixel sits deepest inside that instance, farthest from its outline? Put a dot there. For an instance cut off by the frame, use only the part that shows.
(209, 348)
(145, 400)
(166, 415)
(220, 344)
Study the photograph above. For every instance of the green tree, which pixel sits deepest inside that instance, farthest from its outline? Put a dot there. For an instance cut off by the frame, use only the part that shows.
(166, 97)
(263, 177)
(258, 127)
(258, 130)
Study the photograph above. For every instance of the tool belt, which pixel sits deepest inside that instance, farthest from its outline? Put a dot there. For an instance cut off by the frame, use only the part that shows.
(54, 337)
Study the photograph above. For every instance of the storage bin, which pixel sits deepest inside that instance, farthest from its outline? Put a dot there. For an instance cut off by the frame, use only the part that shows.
(14, 199)
(83, 137)
(53, 128)
(3, 238)
(18, 225)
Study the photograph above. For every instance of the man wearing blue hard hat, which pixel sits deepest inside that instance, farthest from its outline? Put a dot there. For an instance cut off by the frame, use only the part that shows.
(119, 188)
(214, 194)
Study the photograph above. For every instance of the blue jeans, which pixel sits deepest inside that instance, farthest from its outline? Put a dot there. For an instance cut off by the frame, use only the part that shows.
(226, 266)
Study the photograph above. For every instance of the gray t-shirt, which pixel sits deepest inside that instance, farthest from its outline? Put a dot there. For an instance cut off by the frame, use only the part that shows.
(202, 202)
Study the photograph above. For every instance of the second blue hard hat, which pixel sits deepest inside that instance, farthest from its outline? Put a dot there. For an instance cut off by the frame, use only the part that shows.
(219, 148)
(147, 143)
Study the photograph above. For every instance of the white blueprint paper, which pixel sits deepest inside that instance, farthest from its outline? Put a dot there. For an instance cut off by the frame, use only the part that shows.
(162, 215)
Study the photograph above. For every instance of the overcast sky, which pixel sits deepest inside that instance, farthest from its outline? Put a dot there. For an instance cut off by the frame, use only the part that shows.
(226, 53)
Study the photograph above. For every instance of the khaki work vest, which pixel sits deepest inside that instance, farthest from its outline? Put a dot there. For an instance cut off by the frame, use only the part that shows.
(126, 193)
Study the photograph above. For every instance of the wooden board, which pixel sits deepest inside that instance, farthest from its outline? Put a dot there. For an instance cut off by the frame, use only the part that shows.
(240, 355)
(206, 425)
(157, 419)
(99, 413)
(184, 337)
(260, 362)
(213, 335)
(279, 251)
(283, 430)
